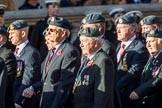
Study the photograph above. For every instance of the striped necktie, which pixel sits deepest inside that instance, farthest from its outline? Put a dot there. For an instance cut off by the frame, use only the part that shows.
(121, 52)
(49, 58)
(16, 51)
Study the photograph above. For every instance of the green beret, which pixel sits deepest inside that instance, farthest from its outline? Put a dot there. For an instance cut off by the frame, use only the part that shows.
(151, 19)
(18, 24)
(93, 18)
(89, 32)
(125, 19)
(3, 31)
(60, 22)
(155, 33)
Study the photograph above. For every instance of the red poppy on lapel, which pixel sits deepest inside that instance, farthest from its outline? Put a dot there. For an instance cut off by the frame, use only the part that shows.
(90, 63)
(59, 52)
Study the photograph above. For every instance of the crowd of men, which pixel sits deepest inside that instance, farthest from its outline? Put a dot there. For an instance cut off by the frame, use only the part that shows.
(105, 66)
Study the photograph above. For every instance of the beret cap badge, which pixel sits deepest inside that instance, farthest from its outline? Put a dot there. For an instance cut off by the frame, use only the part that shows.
(12, 27)
(152, 32)
(84, 21)
(52, 18)
(84, 30)
(120, 20)
(141, 23)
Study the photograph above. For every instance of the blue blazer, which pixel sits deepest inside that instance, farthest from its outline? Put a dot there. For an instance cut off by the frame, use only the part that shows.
(151, 84)
(129, 70)
(130, 66)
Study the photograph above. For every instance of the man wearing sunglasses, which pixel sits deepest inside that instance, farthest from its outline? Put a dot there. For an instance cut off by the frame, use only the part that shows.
(59, 71)
(37, 39)
(60, 66)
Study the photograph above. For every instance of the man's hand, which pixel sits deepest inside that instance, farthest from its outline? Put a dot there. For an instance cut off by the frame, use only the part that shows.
(133, 96)
(17, 106)
(28, 92)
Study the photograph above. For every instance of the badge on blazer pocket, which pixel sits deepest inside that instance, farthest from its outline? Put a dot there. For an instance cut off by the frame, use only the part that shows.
(86, 80)
(155, 71)
(124, 65)
(20, 68)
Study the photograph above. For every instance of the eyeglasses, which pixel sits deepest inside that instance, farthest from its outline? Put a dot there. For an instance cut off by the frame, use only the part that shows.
(51, 30)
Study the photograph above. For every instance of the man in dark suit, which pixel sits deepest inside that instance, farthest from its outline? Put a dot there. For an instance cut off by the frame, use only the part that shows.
(37, 38)
(97, 21)
(60, 66)
(151, 82)
(3, 83)
(94, 84)
(28, 64)
(10, 63)
(132, 55)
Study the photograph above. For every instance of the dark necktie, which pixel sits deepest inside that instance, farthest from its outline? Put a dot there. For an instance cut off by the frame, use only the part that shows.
(49, 58)
(149, 64)
(16, 51)
(121, 51)
(85, 63)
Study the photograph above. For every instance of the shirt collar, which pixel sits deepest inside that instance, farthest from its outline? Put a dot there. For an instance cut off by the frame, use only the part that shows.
(1, 46)
(58, 45)
(21, 46)
(158, 53)
(127, 43)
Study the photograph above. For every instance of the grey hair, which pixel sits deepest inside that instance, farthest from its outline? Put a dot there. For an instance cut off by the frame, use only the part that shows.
(159, 40)
(92, 39)
(67, 31)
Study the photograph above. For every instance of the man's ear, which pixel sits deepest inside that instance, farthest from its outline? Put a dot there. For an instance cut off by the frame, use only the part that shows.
(1, 38)
(23, 33)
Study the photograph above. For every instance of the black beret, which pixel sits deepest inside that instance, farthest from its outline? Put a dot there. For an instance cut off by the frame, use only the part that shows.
(151, 19)
(115, 10)
(89, 32)
(154, 33)
(93, 18)
(3, 31)
(18, 24)
(60, 22)
(137, 14)
(125, 19)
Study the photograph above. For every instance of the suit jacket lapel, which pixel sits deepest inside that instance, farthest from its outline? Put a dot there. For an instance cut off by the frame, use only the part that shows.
(86, 68)
(23, 50)
(118, 48)
(131, 46)
(54, 58)
(156, 63)
(44, 67)
(82, 62)
(1, 49)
